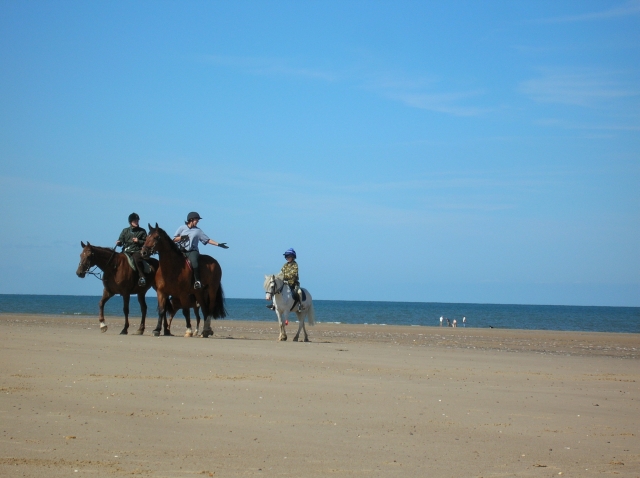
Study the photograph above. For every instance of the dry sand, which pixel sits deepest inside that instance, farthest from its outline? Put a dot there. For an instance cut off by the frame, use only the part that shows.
(356, 401)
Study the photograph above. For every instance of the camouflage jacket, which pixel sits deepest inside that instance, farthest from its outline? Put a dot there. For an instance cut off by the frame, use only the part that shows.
(290, 273)
(126, 238)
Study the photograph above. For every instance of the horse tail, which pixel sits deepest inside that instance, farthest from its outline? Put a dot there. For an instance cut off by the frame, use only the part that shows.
(219, 311)
(311, 315)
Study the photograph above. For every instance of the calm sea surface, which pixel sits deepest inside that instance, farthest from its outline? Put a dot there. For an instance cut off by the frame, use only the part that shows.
(543, 317)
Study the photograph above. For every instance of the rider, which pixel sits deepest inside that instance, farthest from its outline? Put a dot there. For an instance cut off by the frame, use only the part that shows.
(132, 239)
(188, 237)
(290, 275)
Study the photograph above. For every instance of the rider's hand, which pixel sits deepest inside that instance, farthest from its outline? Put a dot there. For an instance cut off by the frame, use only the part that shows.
(223, 245)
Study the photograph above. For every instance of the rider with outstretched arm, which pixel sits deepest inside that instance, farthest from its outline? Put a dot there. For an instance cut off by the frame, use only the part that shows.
(132, 239)
(188, 237)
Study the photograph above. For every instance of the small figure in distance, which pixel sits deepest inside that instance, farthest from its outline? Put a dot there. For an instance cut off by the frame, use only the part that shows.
(290, 275)
(455, 323)
(448, 323)
(464, 321)
(187, 237)
(132, 239)
(441, 319)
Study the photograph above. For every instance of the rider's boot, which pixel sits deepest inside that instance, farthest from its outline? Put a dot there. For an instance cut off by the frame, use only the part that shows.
(142, 281)
(196, 275)
(271, 306)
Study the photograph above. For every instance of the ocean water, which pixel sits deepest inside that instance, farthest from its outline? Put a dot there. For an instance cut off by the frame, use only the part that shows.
(540, 317)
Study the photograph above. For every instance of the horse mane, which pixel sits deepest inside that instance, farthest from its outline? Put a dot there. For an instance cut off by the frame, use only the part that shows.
(101, 249)
(162, 233)
(267, 279)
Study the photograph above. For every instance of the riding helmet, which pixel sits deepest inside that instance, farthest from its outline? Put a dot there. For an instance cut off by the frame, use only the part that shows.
(290, 252)
(193, 215)
(133, 217)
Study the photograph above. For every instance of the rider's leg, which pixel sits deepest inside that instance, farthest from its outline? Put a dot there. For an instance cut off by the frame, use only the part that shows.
(299, 291)
(137, 259)
(193, 258)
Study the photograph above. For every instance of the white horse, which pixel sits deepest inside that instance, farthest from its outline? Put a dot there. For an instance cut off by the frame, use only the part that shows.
(278, 291)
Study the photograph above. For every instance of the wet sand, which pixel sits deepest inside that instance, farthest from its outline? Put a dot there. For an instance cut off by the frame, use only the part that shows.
(355, 401)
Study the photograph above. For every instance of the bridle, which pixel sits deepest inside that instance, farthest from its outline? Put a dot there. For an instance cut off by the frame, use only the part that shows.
(95, 272)
(272, 287)
(150, 250)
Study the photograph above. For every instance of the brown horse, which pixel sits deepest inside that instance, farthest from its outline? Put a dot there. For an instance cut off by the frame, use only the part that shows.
(118, 278)
(174, 279)
(175, 304)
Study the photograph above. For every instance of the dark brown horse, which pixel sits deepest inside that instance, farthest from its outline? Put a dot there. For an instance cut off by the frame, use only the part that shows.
(174, 279)
(118, 278)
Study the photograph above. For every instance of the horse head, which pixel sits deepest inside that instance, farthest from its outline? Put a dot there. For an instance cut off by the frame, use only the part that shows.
(86, 260)
(273, 285)
(150, 246)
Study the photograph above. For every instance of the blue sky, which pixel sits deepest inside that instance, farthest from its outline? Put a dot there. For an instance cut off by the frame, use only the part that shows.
(410, 151)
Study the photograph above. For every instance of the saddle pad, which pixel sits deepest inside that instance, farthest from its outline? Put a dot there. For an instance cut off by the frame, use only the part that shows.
(145, 264)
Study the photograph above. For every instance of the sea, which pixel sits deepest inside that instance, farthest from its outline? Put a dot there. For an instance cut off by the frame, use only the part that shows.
(503, 316)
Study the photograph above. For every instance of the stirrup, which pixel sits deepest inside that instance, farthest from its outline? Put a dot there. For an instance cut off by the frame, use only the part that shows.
(197, 285)
(142, 282)
(271, 306)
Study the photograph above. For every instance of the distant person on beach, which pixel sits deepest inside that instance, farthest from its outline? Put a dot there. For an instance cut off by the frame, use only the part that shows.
(455, 323)
(441, 318)
(448, 323)
(132, 239)
(464, 321)
(290, 275)
(187, 237)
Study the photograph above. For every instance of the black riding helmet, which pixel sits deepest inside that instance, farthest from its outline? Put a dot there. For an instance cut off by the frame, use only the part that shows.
(193, 215)
(133, 217)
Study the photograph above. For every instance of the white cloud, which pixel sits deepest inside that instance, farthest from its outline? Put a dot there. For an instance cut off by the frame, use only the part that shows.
(412, 91)
(578, 87)
(630, 8)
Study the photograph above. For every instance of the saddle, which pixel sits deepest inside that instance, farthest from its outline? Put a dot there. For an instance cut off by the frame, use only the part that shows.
(296, 298)
(146, 266)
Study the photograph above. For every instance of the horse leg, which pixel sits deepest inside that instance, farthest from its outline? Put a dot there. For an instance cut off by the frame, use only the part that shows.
(125, 309)
(300, 325)
(106, 295)
(162, 313)
(304, 327)
(196, 310)
(206, 305)
(187, 317)
(281, 319)
(143, 308)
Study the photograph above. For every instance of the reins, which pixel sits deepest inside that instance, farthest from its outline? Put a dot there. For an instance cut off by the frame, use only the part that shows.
(91, 270)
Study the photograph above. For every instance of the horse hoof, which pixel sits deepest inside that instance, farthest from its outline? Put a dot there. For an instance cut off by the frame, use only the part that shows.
(156, 333)
(207, 333)
(295, 339)
(139, 332)
(103, 328)
(188, 333)
(167, 333)
(306, 339)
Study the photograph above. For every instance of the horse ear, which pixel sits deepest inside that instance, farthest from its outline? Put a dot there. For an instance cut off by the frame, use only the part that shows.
(156, 225)
(150, 228)
(88, 243)
(82, 244)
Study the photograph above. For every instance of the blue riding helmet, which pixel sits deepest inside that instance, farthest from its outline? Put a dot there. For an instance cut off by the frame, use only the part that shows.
(290, 252)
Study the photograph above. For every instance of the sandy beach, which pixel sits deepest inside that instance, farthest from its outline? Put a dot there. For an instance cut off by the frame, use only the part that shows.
(356, 401)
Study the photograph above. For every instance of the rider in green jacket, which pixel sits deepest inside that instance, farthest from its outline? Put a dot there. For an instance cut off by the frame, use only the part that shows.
(132, 239)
